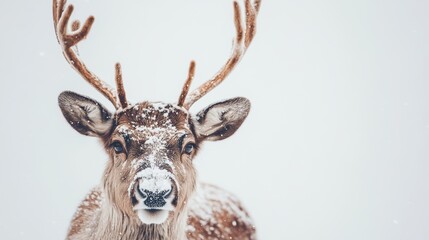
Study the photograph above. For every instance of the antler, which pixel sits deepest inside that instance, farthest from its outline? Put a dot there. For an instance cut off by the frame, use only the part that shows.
(69, 40)
(239, 49)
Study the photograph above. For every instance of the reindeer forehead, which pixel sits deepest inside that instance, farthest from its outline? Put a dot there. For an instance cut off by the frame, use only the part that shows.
(145, 120)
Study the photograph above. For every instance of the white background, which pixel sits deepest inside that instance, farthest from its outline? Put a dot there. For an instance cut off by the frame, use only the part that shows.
(337, 143)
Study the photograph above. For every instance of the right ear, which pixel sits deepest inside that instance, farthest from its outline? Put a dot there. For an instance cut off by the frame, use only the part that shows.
(85, 115)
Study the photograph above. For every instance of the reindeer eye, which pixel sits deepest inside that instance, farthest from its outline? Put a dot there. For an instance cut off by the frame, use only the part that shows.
(117, 146)
(189, 148)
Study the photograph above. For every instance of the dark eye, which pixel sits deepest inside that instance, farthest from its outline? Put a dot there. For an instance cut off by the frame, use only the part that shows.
(117, 146)
(189, 148)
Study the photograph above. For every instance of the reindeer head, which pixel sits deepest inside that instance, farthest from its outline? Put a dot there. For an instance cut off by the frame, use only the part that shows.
(150, 175)
(151, 146)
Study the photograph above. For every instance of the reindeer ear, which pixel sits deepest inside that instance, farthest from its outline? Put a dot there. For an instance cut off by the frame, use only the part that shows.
(85, 115)
(220, 120)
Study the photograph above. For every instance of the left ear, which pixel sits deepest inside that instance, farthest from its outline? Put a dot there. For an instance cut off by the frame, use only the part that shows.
(220, 120)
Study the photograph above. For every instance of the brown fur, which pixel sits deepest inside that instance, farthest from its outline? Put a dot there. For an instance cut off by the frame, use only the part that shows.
(201, 212)
(224, 224)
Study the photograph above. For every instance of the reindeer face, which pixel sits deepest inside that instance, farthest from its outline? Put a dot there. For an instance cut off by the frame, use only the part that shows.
(150, 175)
(152, 147)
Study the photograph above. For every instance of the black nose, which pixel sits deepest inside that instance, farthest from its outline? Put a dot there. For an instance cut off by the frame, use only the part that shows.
(155, 199)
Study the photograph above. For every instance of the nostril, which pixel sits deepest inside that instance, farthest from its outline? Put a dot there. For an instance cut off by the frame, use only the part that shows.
(167, 193)
(141, 193)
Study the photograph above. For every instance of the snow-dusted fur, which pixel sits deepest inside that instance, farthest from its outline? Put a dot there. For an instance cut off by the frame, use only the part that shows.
(212, 214)
(149, 188)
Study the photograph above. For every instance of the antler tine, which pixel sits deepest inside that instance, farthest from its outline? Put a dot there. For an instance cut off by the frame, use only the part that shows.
(187, 84)
(69, 40)
(57, 10)
(239, 48)
(120, 86)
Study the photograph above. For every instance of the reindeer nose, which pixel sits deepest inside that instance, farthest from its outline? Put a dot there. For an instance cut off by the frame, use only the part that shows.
(154, 199)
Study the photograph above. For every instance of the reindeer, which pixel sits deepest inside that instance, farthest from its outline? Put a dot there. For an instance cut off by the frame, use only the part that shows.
(149, 189)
